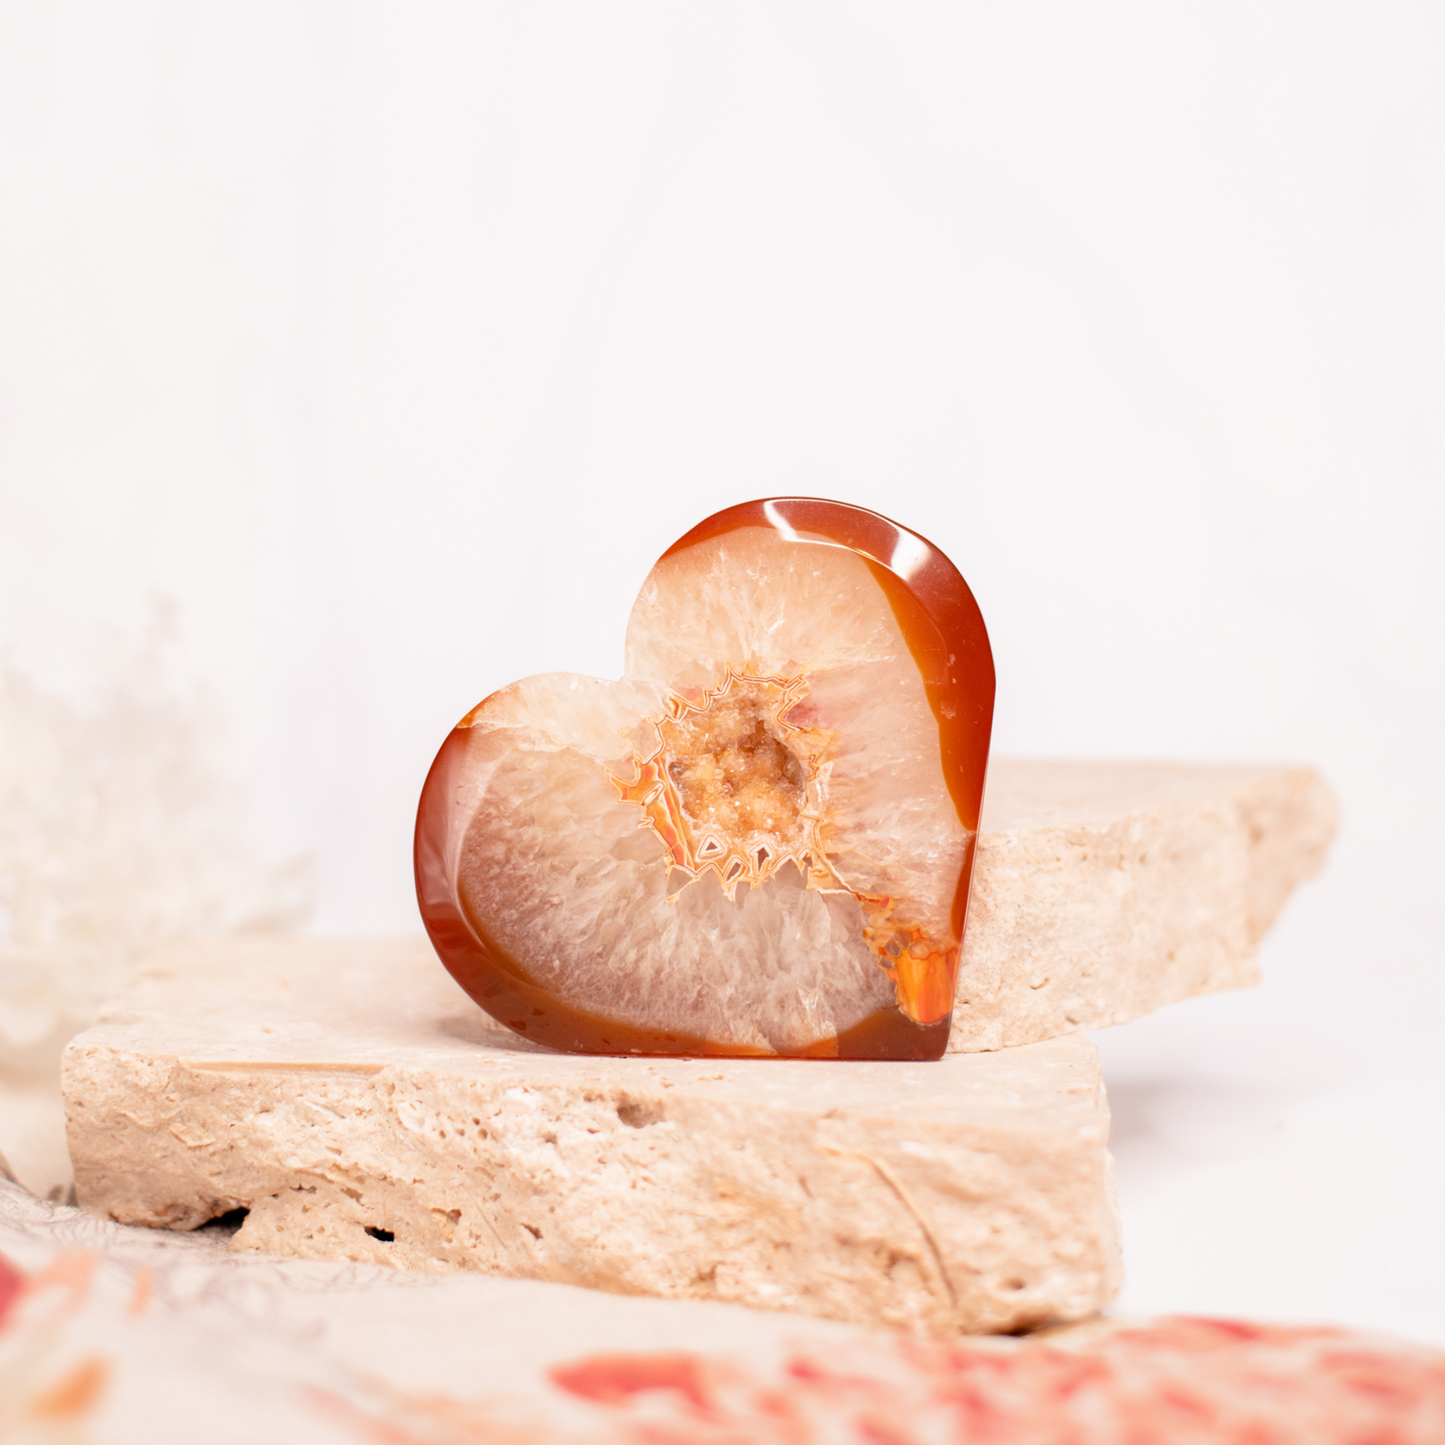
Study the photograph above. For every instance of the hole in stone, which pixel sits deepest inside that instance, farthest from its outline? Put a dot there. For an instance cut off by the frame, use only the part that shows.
(1014, 1284)
(384, 1235)
(533, 1230)
(639, 1113)
(229, 1222)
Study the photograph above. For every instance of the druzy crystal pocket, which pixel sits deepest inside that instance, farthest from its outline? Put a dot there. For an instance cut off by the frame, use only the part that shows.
(759, 841)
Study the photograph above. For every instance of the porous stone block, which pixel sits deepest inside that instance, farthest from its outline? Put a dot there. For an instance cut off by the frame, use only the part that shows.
(361, 1107)
(1103, 891)
(346, 1091)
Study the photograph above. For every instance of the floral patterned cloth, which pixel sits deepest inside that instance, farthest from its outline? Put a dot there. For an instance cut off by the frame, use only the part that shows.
(111, 1335)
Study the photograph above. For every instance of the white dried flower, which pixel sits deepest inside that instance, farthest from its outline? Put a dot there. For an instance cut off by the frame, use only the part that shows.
(119, 829)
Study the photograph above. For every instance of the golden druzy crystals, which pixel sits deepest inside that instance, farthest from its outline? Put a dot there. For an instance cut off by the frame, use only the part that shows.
(731, 786)
(759, 841)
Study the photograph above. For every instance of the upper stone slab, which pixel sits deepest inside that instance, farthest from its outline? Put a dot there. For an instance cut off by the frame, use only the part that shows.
(1104, 891)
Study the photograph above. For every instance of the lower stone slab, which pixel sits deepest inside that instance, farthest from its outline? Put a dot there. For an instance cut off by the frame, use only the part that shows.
(348, 1096)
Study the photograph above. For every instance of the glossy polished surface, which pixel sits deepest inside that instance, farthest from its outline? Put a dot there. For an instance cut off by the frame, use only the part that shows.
(758, 842)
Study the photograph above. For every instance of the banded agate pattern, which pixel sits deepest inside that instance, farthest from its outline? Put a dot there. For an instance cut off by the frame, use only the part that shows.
(759, 841)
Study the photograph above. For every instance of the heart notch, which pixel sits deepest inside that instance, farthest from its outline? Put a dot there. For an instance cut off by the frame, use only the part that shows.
(760, 841)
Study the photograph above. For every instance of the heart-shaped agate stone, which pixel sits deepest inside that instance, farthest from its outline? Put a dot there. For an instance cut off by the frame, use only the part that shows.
(759, 841)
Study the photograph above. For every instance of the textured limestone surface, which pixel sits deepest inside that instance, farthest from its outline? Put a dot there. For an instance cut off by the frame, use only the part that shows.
(349, 1096)
(1103, 891)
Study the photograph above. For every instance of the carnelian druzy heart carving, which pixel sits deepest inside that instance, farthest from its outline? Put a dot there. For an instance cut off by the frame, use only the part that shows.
(760, 840)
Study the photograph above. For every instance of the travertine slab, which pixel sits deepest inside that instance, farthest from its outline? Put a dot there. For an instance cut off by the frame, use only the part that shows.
(336, 1087)
(1104, 891)
(345, 1091)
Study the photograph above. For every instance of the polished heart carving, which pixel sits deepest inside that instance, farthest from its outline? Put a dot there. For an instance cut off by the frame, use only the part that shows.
(760, 840)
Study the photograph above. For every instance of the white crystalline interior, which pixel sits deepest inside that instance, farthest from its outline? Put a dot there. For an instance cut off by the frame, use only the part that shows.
(576, 886)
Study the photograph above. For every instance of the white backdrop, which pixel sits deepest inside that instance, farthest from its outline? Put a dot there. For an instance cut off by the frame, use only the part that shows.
(394, 341)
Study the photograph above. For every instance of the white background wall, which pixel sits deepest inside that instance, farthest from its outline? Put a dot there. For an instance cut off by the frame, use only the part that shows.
(395, 341)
